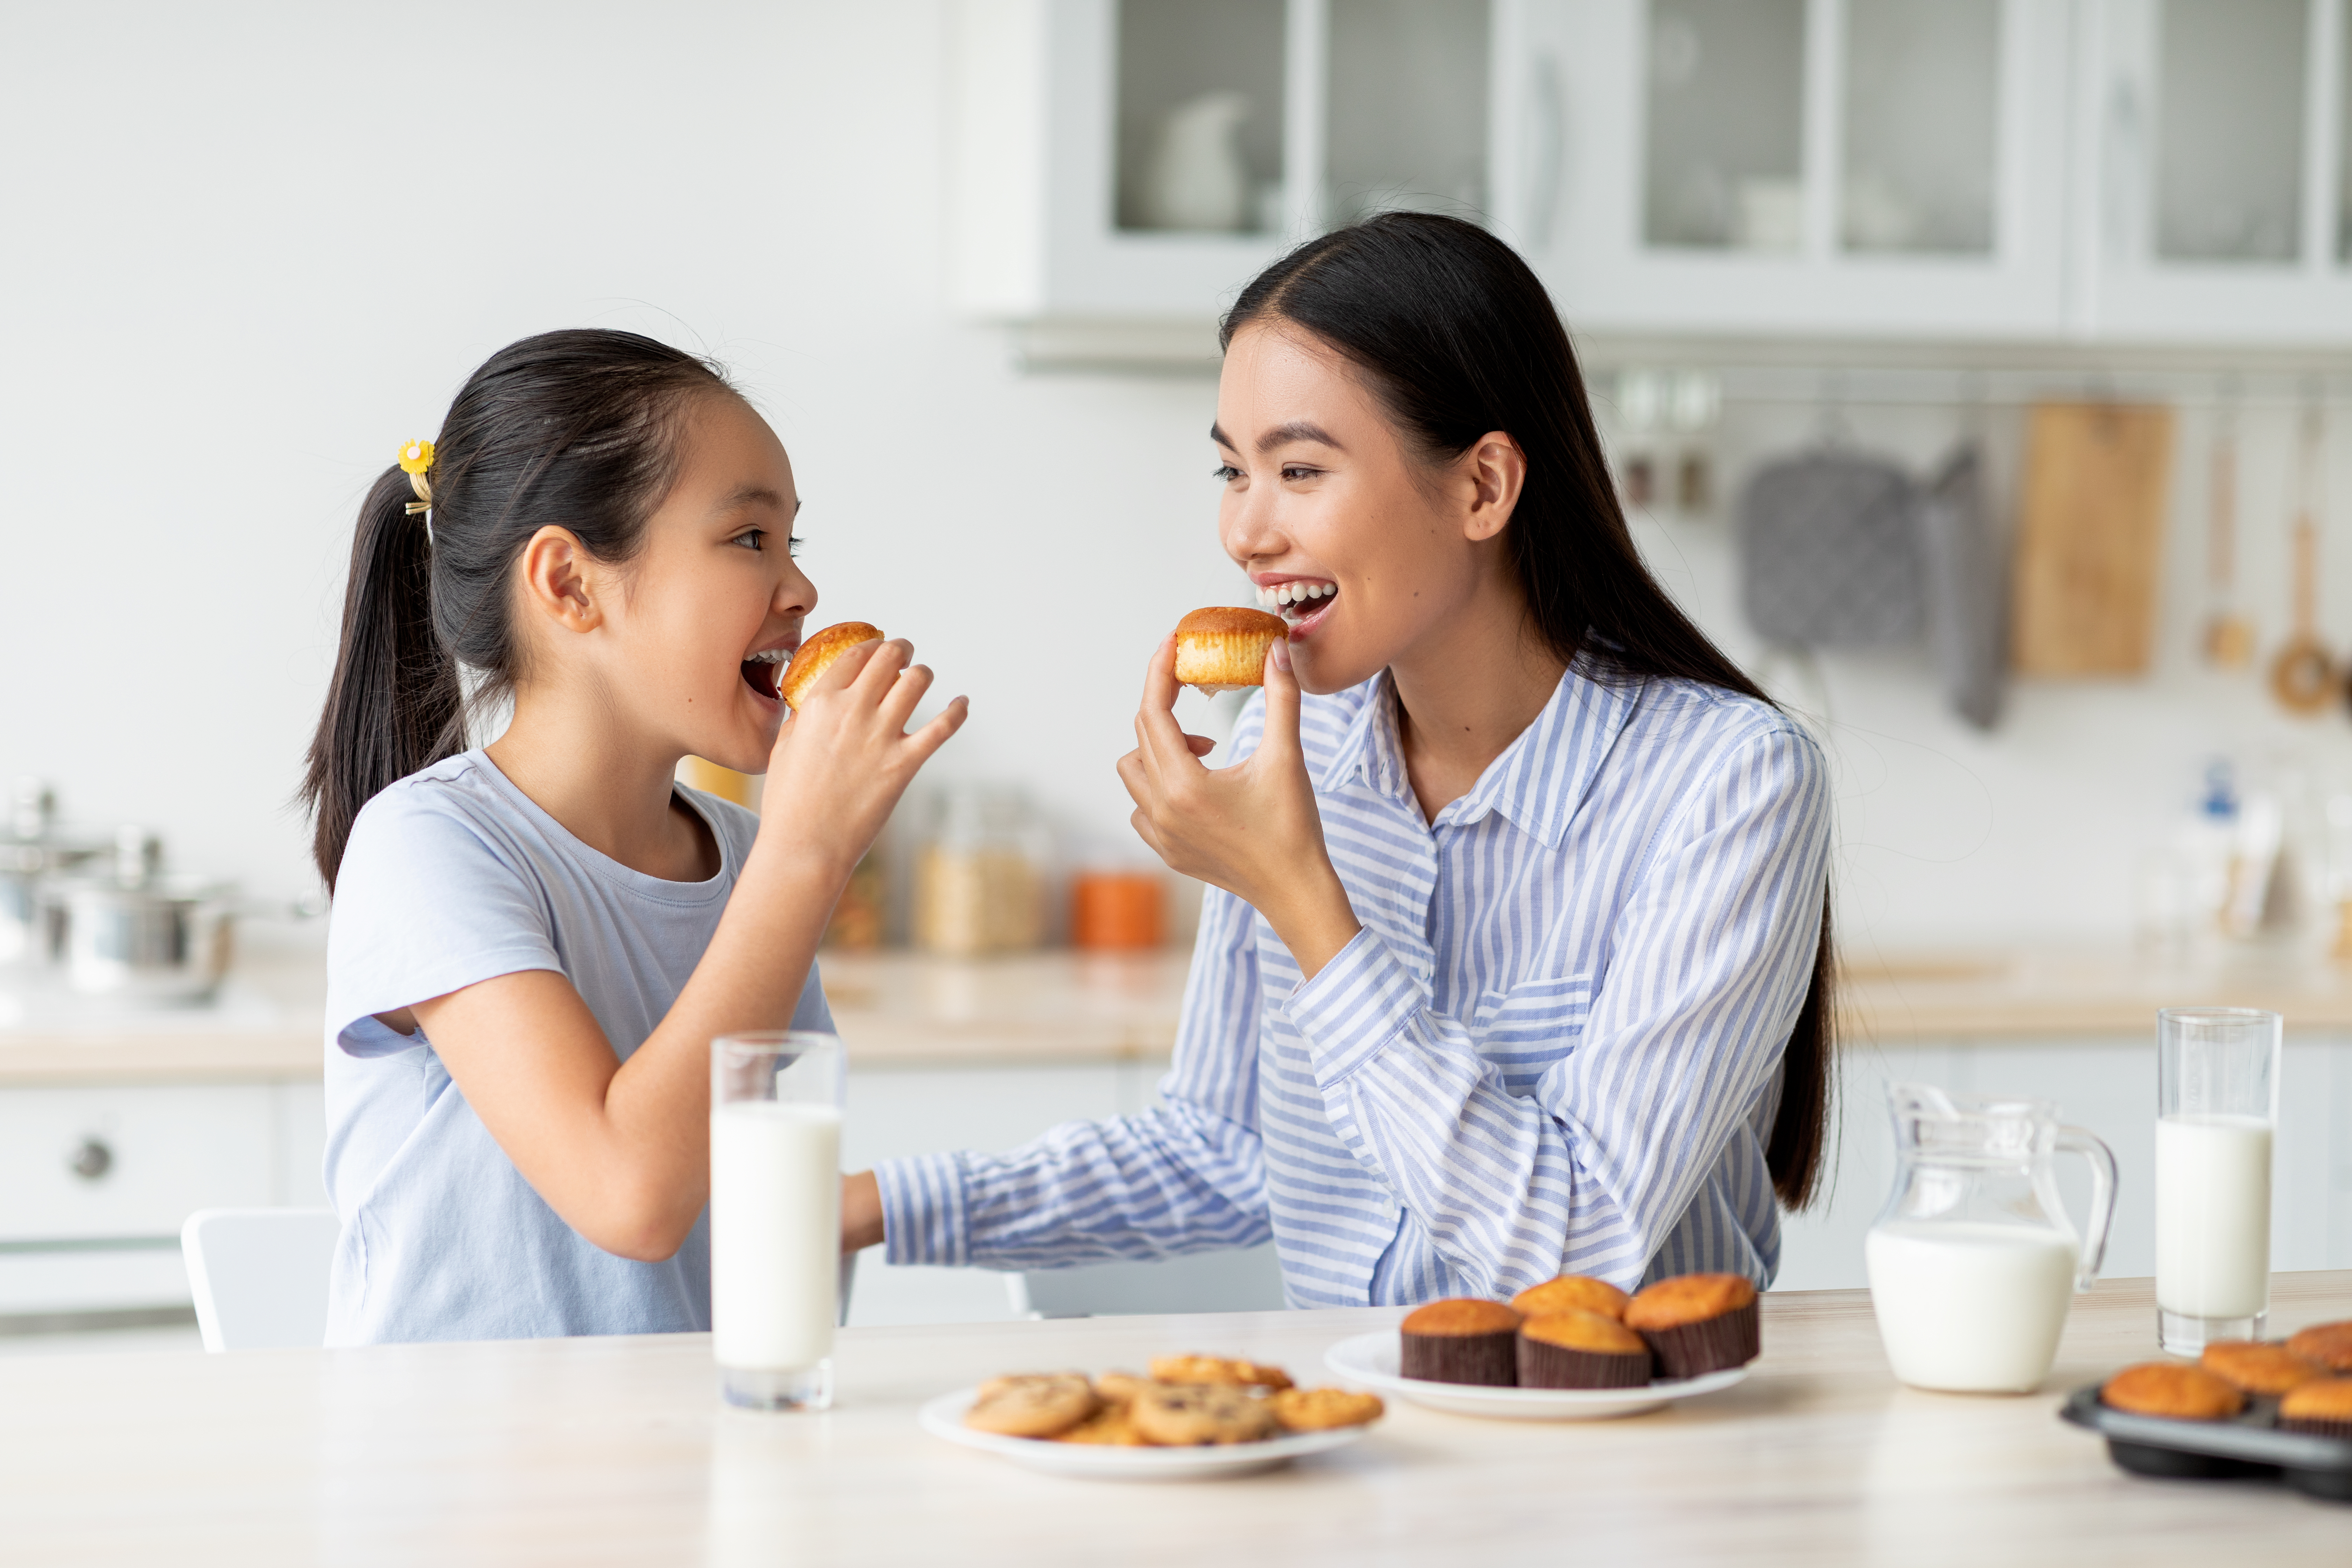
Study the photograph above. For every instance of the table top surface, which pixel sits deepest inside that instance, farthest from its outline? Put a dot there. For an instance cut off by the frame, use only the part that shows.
(616, 1450)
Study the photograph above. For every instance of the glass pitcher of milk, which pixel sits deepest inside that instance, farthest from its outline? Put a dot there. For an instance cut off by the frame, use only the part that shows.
(1972, 1262)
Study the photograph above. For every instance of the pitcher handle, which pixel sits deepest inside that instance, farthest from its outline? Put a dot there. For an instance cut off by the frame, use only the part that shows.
(2077, 1141)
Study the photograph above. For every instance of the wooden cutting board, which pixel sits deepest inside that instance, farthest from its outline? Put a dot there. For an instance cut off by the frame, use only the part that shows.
(2090, 538)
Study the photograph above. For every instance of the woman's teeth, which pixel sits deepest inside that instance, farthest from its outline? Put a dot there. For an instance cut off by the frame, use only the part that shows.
(1282, 595)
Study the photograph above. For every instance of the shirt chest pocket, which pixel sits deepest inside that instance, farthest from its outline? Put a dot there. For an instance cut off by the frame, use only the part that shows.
(1524, 1030)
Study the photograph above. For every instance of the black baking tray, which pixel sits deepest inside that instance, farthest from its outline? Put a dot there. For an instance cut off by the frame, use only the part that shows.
(2249, 1447)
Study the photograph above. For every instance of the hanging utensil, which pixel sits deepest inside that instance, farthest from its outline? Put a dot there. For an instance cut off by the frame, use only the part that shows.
(2090, 539)
(2229, 635)
(2303, 676)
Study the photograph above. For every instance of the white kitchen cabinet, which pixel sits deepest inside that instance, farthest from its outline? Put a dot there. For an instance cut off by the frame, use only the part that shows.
(2211, 138)
(1802, 166)
(1134, 160)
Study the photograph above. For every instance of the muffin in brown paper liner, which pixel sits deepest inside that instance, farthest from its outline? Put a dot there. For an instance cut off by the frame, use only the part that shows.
(1582, 1349)
(1461, 1340)
(1572, 1293)
(2321, 1409)
(1698, 1323)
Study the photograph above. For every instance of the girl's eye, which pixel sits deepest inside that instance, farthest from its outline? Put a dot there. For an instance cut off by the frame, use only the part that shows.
(793, 544)
(1224, 473)
(750, 538)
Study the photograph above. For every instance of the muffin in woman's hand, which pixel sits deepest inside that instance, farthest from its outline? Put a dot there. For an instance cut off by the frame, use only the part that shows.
(1461, 1340)
(2168, 1389)
(1581, 1350)
(2322, 1409)
(2259, 1367)
(1572, 1293)
(1698, 1322)
(2329, 1344)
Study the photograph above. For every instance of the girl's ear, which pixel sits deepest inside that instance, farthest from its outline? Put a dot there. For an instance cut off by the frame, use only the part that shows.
(557, 580)
(1497, 470)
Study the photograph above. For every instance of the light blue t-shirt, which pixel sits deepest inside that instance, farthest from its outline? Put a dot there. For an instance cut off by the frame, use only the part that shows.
(453, 877)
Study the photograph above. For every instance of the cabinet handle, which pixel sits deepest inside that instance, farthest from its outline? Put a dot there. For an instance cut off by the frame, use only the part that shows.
(1548, 127)
(92, 1160)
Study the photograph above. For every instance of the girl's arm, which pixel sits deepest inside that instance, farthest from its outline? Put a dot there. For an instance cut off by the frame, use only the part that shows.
(621, 1149)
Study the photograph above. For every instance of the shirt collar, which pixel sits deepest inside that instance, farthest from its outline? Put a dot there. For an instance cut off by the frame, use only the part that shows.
(1538, 781)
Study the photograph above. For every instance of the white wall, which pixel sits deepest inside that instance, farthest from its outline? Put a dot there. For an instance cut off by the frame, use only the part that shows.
(249, 249)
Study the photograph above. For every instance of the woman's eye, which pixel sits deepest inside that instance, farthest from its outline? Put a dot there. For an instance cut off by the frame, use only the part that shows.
(1295, 471)
(1226, 473)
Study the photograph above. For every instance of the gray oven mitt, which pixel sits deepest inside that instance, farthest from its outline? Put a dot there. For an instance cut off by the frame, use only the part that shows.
(1968, 598)
(1829, 547)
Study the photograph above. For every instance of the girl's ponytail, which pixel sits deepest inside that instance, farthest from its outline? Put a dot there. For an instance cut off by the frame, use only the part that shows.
(579, 429)
(395, 704)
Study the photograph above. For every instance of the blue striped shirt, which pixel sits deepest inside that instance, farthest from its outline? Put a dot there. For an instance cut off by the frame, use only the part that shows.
(1555, 1046)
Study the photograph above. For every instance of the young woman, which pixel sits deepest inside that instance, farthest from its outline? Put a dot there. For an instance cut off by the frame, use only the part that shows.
(1516, 956)
(534, 943)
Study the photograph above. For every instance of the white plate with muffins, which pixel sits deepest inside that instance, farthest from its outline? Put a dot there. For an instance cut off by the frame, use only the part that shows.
(1194, 1419)
(1572, 1349)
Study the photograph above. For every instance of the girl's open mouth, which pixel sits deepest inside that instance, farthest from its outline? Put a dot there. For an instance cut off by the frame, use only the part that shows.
(761, 670)
(1302, 602)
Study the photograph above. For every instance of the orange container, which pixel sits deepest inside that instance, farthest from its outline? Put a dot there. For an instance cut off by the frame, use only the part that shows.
(1117, 912)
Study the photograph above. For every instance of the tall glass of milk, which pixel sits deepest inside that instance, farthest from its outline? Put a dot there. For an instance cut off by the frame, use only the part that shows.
(775, 1216)
(2216, 1101)
(1972, 1263)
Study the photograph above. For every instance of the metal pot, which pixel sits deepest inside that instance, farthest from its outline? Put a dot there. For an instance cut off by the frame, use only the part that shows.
(139, 934)
(31, 850)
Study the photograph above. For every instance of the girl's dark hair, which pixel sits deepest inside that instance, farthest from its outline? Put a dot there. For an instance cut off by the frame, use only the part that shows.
(578, 428)
(1457, 338)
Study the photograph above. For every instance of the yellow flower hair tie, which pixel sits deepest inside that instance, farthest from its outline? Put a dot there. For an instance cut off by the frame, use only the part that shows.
(415, 460)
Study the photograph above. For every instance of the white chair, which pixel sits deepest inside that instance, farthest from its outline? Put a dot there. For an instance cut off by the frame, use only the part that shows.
(1246, 1280)
(259, 1276)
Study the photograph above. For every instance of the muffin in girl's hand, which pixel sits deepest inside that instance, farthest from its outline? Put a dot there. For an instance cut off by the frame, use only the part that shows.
(2322, 1409)
(1698, 1323)
(1461, 1340)
(1571, 1293)
(2171, 1390)
(2259, 1367)
(1581, 1350)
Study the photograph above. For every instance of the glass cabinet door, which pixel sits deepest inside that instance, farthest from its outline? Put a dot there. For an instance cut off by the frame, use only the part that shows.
(1920, 124)
(1408, 121)
(1724, 128)
(2229, 130)
(1199, 95)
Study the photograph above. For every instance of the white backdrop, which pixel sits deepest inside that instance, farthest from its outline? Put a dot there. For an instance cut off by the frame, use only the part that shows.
(248, 248)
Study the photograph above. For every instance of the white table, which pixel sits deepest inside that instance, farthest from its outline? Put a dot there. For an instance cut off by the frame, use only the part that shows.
(593, 1451)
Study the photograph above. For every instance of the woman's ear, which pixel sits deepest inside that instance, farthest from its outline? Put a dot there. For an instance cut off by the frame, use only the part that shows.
(1497, 470)
(559, 580)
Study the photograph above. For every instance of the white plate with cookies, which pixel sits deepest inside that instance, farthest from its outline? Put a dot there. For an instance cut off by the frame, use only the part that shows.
(1371, 1361)
(1193, 1418)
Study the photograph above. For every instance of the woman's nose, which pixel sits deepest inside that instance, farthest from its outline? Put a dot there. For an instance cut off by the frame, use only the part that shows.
(1248, 528)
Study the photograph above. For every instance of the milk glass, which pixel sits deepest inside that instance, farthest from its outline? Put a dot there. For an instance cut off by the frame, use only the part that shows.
(2216, 1103)
(775, 1216)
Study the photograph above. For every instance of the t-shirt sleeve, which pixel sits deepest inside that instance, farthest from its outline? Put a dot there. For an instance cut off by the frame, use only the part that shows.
(426, 903)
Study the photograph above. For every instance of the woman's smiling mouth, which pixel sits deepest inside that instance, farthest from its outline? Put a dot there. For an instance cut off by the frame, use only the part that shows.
(1300, 601)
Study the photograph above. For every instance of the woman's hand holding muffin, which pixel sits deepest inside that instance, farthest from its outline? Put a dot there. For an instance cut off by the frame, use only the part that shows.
(1252, 828)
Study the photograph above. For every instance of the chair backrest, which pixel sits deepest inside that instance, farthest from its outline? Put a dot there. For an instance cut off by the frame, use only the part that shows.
(1246, 1280)
(259, 1276)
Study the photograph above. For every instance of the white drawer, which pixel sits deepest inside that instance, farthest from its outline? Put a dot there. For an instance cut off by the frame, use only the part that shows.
(147, 1157)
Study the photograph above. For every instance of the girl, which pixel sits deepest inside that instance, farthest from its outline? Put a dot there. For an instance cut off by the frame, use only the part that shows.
(1515, 958)
(535, 941)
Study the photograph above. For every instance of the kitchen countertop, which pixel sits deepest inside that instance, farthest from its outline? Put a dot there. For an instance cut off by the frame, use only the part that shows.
(616, 1450)
(903, 1009)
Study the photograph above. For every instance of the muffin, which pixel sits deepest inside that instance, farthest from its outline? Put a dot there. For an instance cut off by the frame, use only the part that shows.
(2322, 1409)
(2256, 1366)
(2167, 1388)
(2329, 1344)
(1571, 1293)
(1462, 1340)
(1697, 1323)
(1581, 1350)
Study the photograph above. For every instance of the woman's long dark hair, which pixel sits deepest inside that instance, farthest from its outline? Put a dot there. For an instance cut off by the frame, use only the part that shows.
(1458, 338)
(578, 428)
